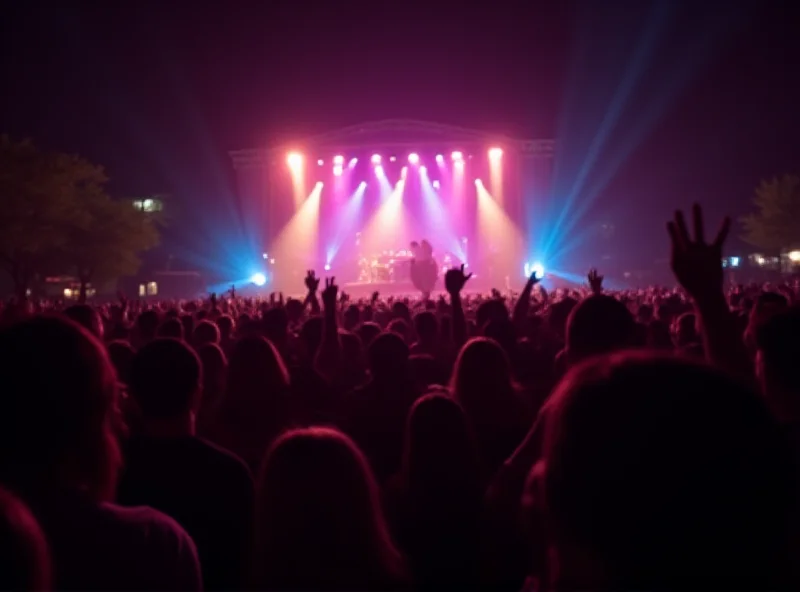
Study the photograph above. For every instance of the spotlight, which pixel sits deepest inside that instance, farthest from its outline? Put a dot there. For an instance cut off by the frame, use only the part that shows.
(403, 172)
(259, 279)
(362, 185)
(495, 153)
(423, 170)
(413, 158)
(327, 267)
(439, 159)
(272, 261)
(265, 256)
(457, 156)
(337, 170)
(318, 185)
(353, 162)
(379, 170)
(376, 159)
(338, 160)
(294, 160)
(392, 158)
(320, 162)
(478, 182)
(436, 184)
(536, 268)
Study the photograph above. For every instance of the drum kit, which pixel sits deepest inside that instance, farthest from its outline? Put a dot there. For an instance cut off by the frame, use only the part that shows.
(385, 267)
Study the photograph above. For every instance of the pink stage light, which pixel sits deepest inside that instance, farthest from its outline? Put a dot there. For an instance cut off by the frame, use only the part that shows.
(379, 170)
(457, 156)
(376, 159)
(338, 160)
(436, 184)
(337, 170)
(413, 158)
(320, 162)
(423, 170)
(392, 158)
(353, 162)
(439, 159)
(294, 160)
(495, 153)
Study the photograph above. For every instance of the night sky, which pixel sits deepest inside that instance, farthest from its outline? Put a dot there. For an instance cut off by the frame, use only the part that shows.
(158, 92)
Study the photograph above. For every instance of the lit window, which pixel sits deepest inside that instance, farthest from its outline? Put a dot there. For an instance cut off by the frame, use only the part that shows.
(152, 288)
(142, 290)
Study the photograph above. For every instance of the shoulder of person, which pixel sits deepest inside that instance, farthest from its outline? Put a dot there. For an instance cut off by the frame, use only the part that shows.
(170, 552)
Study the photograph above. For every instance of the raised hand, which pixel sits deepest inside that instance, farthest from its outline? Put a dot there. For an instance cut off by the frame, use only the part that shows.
(375, 296)
(312, 281)
(697, 265)
(330, 293)
(595, 281)
(455, 279)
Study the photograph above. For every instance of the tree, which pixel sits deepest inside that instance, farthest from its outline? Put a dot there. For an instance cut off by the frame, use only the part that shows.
(775, 225)
(105, 241)
(55, 214)
(39, 202)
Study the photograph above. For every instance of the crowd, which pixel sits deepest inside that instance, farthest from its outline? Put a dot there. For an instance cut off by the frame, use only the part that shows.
(583, 439)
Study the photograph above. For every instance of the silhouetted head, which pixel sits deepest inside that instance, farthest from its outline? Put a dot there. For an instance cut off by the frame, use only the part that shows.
(205, 332)
(388, 357)
(24, 556)
(146, 326)
(171, 328)
(87, 317)
(778, 341)
(226, 326)
(426, 326)
(599, 324)
(215, 370)
(319, 523)
(256, 372)
(659, 472)
(368, 332)
(440, 457)
(686, 329)
(400, 327)
(481, 375)
(166, 380)
(60, 410)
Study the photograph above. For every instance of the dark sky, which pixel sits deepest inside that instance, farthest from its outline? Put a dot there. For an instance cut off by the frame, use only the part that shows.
(159, 91)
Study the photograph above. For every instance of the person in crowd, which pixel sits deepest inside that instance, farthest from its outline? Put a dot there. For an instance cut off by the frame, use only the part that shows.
(58, 437)
(215, 374)
(208, 490)
(257, 406)
(171, 328)
(205, 332)
(497, 413)
(377, 411)
(87, 317)
(435, 502)
(319, 523)
(660, 473)
(24, 555)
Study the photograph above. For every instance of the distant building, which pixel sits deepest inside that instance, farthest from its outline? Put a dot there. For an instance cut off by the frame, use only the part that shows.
(153, 203)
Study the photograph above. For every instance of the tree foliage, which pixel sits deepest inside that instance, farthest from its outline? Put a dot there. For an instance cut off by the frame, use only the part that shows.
(775, 224)
(55, 214)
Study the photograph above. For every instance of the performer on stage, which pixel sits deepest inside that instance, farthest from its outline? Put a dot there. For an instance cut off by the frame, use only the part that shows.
(424, 270)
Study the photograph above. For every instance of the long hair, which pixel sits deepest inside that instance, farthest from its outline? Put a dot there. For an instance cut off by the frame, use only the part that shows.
(319, 520)
(60, 416)
(439, 459)
(256, 374)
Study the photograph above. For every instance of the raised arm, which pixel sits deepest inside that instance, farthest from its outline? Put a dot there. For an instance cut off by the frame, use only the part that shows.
(523, 304)
(328, 360)
(697, 266)
(454, 281)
